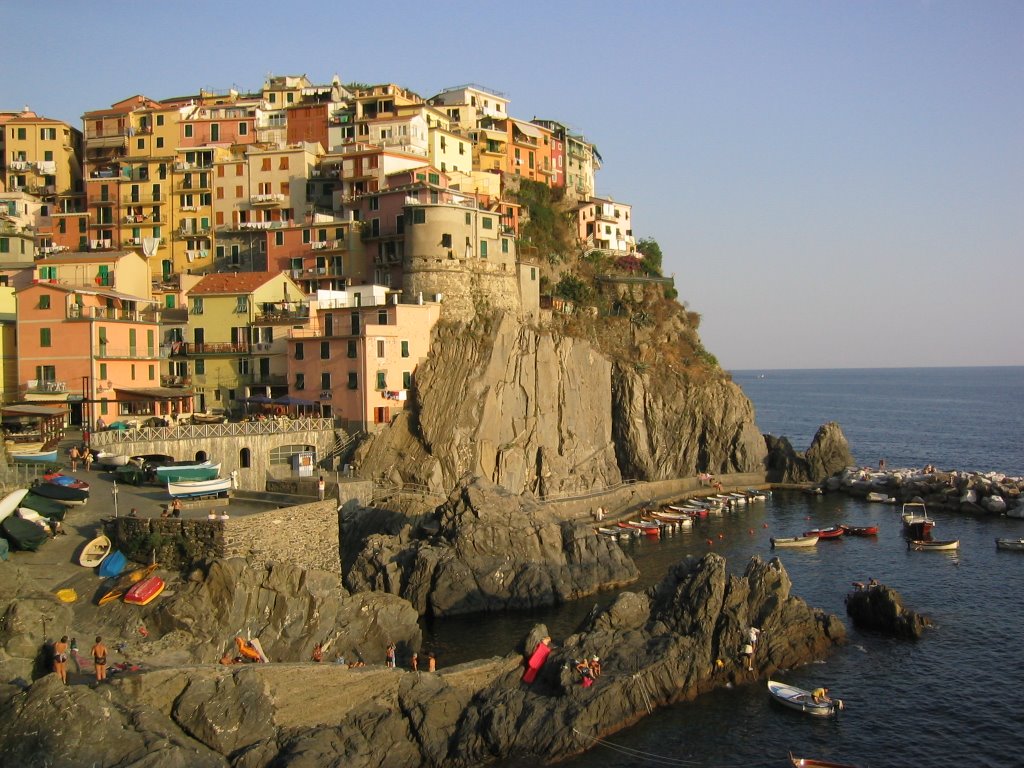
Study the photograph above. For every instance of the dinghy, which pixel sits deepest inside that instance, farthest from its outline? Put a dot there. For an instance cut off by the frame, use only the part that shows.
(927, 545)
(181, 471)
(24, 534)
(117, 588)
(94, 552)
(198, 488)
(1016, 545)
(803, 701)
(12, 501)
(113, 564)
(794, 541)
(145, 591)
(69, 497)
(34, 457)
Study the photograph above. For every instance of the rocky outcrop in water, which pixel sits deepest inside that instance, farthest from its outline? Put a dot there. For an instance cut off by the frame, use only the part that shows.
(656, 648)
(828, 453)
(544, 412)
(989, 493)
(487, 550)
(879, 608)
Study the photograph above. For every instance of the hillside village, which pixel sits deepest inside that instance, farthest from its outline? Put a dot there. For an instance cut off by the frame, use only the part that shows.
(209, 253)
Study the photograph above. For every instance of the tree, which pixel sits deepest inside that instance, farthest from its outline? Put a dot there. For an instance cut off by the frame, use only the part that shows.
(649, 247)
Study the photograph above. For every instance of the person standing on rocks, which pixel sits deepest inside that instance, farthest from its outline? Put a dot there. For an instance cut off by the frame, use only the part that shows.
(414, 663)
(60, 659)
(431, 663)
(390, 656)
(753, 635)
(99, 660)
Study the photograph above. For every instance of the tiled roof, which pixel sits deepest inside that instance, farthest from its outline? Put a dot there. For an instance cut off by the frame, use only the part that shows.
(232, 282)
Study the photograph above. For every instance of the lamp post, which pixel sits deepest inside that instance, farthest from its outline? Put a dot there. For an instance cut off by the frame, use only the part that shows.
(113, 492)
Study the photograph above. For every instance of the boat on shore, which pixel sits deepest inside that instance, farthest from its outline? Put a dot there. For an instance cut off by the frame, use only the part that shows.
(117, 587)
(832, 532)
(180, 471)
(105, 459)
(59, 478)
(34, 456)
(197, 488)
(916, 523)
(927, 545)
(94, 552)
(113, 564)
(145, 591)
(794, 541)
(1013, 545)
(12, 501)
(45, 507)
(24, 534)
(803, 701)
(860, 530)
(69, 497)
(810, 762)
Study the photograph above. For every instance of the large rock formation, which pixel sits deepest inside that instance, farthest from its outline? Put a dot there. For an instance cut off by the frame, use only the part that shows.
(488, 550)
(545, 412)
(656, 648)
(828, 454)
(880, 608)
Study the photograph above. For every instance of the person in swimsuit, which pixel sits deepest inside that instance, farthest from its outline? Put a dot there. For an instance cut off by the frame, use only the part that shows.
(99, 659)
(60, 659)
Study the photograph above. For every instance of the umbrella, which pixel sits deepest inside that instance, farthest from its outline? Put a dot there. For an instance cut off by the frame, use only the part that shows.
(291, 400)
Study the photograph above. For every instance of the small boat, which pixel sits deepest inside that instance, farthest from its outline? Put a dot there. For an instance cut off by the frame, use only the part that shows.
(113, 564)
(1016, 545)
(880, 498)
(105, 459)
(45, 507)
(12, 501)
(832, 532)
(147, 460)
(860, 530)
(925, 545)
(208, 418)
(803, 701)
(753, 494)
(145, 591)
(59, 478)
(117, 588)
(24, 534)
(94, 552)
(916, 522)
(187, 470)
(34, 517)
(610, 532)
(196, 488)
(34, 457)
(810, 762)
(69, 497)
(794, 541)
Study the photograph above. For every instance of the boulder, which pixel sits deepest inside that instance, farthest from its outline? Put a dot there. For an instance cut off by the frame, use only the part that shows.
(880, 608)
(828, 454)
(492, 550)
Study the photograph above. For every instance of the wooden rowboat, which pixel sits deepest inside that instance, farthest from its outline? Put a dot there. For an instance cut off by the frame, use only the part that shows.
(145, 591)
(94, 552)
(860, 530)
(803, 701)
(1016, 545)
(117, 588)
(810, 762)
(928, 545)
(34, 457)
(794, 541)
(198, 488)
(832, 532)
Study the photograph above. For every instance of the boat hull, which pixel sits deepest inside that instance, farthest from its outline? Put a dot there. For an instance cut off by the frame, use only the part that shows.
(833, 532)
(113, 564)
(145, 591)
(94, 552)
(802, 701)
(933, 546)
(24, 534)
(35, 457)
(1012, 545)
(860, 530)
(174, 473)
(12, 501)
(796, 542)
(199, 488)
(69, 497)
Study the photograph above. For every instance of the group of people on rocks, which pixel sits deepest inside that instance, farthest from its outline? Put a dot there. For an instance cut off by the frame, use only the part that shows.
(63, 651)
(589, 669)
(389, 659)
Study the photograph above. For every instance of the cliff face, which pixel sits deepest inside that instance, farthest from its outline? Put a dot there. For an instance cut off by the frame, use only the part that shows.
(547, 413)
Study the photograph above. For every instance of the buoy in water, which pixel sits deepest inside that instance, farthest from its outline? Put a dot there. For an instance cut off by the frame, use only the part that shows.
(751, 531)
(710, 542)
(721, 535)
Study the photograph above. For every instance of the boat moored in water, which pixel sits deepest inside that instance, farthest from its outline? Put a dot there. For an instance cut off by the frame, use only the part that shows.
(794, 541)
(860, 530)
(1014, 545)
(803, 701)
(927, 545)
(916, 523)
(810, 762)
(832, 532)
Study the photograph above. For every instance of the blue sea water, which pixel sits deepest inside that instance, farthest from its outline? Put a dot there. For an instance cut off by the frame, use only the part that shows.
(951, 699)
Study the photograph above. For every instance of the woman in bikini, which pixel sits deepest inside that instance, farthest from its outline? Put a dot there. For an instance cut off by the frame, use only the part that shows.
(60, 659)
(99, 659)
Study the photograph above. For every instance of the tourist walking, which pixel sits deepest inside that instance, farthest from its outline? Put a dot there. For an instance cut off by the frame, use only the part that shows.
(60, 659)
(74, 455)
(99, 659)
(87, 459)
(321, 487)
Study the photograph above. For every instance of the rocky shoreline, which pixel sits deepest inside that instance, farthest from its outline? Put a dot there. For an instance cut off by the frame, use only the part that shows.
(670, 643)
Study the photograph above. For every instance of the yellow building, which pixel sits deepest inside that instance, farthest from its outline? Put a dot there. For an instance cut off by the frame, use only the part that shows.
(8, 345)
(42, 157)
(237, 335)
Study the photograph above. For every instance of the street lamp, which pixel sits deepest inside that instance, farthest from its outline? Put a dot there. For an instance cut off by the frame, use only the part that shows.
(113, 492)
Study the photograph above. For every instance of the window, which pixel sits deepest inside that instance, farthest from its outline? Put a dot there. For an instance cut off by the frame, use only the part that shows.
(214, 132)
(152, 372)
(244, 458)
(241, 304)
(159, 119)
(405, 348)
(352, 348)
(188, 130)
(200, 367)
(434, 178)
(406, 379)
(103, 370)
(355, 318)
(325, 381)
(353, 380)
(382, 317)
(197, 306)
(487, 222)
(325, 350)
(300, 351)
(300, 381)
(380, 348)
(382, 379)
(159, 142)
(243, 129)
(419, 216)
(44, 337)
(374, 203)
(446, 240)
(44, 301)
(283, 165)
(279, 238)
(483, 249)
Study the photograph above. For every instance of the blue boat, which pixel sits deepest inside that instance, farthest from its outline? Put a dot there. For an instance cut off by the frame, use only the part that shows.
(34, 457)
(113, 564)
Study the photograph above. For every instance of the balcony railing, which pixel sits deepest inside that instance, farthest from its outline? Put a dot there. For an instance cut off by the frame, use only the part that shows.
(76, 312)
(270, 198)
(130, 353)
(217, 348)
(45, 387)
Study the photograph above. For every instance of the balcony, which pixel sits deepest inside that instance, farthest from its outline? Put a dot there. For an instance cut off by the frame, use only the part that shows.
(193, 186)
(217, 348)
(270, 198)
(140, 199)
(187, 232)
(78, 312)
(107, 352)
(45, 387)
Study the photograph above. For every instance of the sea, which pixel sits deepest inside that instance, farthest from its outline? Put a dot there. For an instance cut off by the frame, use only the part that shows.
(951, 699)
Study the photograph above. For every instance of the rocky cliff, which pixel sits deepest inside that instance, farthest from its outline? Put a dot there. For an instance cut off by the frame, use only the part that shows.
(827, 455)
(487, 549)
(548, 411)
(658, 647)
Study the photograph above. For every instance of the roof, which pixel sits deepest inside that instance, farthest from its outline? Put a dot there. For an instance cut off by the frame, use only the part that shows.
(34, 410)
(232, 283)
(88, 291)
(156, 393)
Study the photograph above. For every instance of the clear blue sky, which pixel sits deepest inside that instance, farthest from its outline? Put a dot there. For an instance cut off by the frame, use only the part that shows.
(833, 184)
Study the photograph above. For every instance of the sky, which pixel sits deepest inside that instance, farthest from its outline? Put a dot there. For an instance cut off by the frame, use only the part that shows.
(833, 184)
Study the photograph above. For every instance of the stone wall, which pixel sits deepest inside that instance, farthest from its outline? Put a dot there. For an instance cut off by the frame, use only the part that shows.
(172, 543)
(304, 535)
(468, 285)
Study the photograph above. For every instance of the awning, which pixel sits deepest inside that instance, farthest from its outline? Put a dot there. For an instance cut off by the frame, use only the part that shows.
(155, 393)
(33, 410)
(292, 400)
(529, 130)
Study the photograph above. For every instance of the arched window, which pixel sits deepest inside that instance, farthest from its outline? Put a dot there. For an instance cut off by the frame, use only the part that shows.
(244, 460)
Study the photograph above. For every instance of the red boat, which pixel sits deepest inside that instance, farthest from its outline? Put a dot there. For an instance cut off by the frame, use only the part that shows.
(59, 478)
(832, 532)
(860, 530)
(145, 591)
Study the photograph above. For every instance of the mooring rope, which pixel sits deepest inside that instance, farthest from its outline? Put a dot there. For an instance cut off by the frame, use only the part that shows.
(638, 753)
